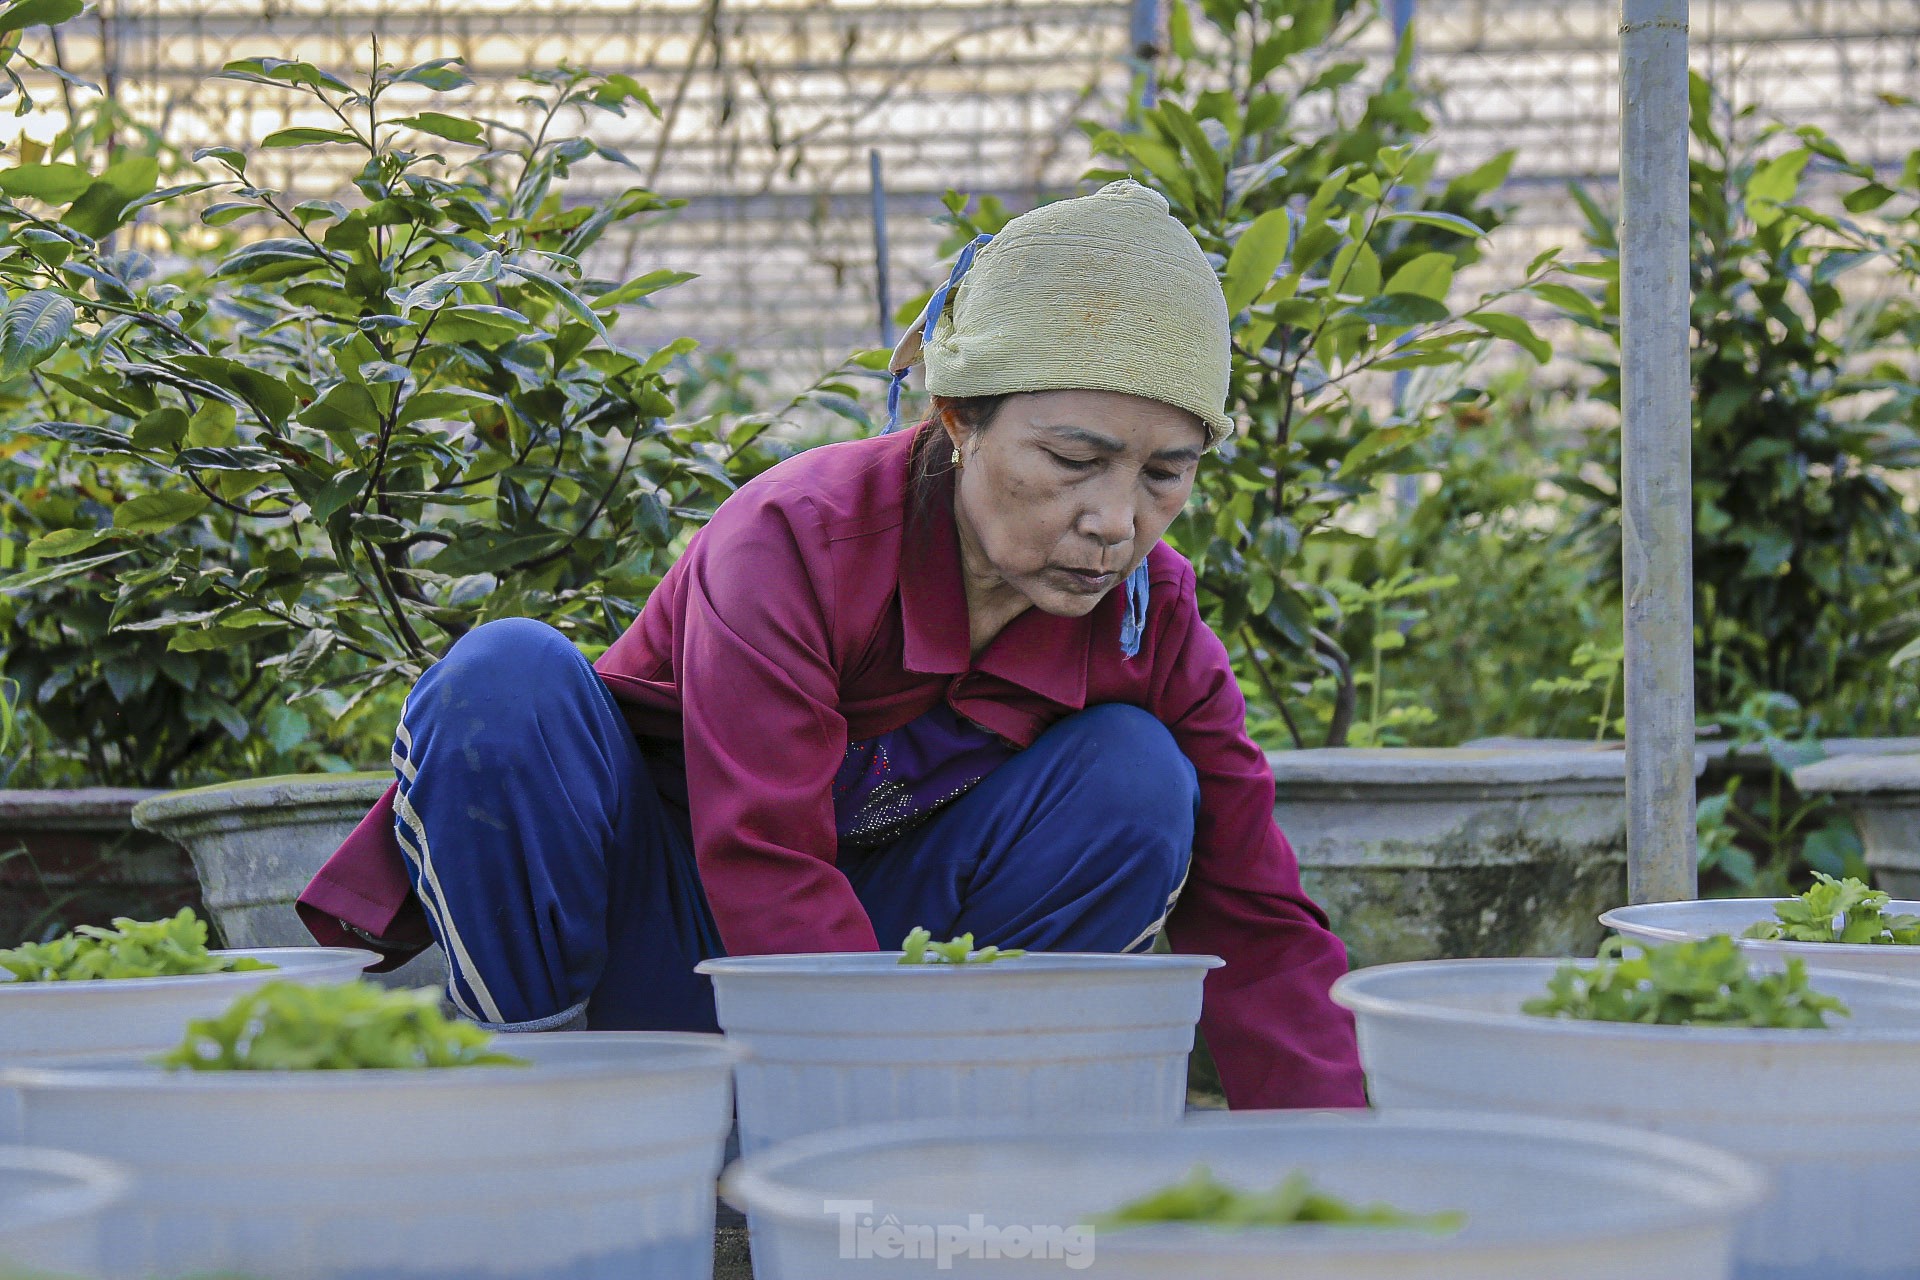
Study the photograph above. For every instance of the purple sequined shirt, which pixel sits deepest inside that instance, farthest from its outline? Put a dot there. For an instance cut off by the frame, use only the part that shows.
(889, 784)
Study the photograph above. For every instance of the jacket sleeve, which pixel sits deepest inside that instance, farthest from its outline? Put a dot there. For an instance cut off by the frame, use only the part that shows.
(764, 736)
(1277, 1037)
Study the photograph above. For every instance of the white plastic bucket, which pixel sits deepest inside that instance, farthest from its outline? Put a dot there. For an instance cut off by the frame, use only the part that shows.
(52, 1211)
(41, 1020)
(850, 1038)
(1683, 921)
(1544, 1200)
(1832, 1115)
(596, 1163)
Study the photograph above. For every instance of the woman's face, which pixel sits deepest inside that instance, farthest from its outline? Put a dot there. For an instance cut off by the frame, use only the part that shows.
(1066, 491)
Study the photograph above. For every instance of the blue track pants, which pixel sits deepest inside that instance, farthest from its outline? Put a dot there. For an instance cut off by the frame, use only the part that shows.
(563, 888)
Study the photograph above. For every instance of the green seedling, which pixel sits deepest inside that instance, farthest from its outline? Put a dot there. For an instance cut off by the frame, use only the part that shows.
(920, 948)
(1201, 1198)
(1838, 911)
(1704, 983)
(284, 1026)
(131, 949)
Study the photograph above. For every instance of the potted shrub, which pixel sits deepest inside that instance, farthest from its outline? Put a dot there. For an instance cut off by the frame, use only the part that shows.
(833, 1039)
(1761, 1065)
(406, 410)
(1256, 1195)
(360, 1127)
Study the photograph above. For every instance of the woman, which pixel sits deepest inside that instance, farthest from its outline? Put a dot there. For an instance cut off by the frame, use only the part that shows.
(949, 678)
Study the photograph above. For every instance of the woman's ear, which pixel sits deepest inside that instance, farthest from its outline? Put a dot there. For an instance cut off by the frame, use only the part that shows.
(950, 423)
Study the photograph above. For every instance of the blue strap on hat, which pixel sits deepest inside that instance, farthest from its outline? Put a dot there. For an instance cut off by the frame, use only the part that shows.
(929, 318)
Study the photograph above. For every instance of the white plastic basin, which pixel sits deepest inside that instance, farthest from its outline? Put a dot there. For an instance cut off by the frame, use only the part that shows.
(595, 1163)
(1545, 1200)
(1833, 1115)
(59, 1019)
(849, 1038)
(52, 1210)
(1682, 921)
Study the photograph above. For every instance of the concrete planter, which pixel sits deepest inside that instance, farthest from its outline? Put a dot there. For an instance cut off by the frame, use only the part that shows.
(1421, 854)
(77, 858)
(256, 845)
(1882, 792)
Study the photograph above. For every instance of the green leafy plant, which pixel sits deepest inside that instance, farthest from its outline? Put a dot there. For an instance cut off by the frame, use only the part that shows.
(1838, 911)
(920, 948)
(409, 407)
(1596, 665)
(1703, 983)
(130, 949)
(1806, 406)
(285, 1026)
(1337, 251)
(1202, 1198)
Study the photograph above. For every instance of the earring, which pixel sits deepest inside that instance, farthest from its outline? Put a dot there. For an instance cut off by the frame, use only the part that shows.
(957, 464)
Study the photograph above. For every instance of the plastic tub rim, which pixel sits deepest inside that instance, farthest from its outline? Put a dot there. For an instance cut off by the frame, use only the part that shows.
(1616, 917)
(101, 1183)
(1051, 963)
(1349, 992)
(705, 1052)
(1743, 1186)
(13, 988)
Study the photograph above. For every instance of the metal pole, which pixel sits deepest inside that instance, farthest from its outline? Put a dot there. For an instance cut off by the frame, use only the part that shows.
(879, 192)
(1656, 451)
(1147, 34)
(1406, 489)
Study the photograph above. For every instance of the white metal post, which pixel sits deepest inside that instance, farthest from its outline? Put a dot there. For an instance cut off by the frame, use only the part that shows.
(1656, 451)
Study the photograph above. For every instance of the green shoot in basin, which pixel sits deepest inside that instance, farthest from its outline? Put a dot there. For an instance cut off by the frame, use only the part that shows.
(131, 949)
(1704, 983)
(1203, 1199)
(1838, 911)
(920, 948)
(283, 1026)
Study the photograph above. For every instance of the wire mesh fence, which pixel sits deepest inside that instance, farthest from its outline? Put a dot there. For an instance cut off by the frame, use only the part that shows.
(770, 111)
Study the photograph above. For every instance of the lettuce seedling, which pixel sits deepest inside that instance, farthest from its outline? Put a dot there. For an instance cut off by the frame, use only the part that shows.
(920, 948)
(1838, 911)
(131, 949)
(1201, 1198)
(284, 1026)
(1703, 983)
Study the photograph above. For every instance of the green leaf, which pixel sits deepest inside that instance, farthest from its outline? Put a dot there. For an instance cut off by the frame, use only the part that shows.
(1908, 652)
(53, 183)
(259, 255)
(433, 292)
(479, 323)
(1207, 165)
(38, 13)
(266, 393)
(567, 297)
(231, 158)
(1443, 221)
(636, 289)
(1256, 256)
(67, 542)
(54, 572)
(102, 206)
(1430, 275)
(32, 327)
(283, 71)
(1513, 329)
(305, 137)
(1400, 310)
(1773, 184)
(441, 125)
(161, 430)
(157, 512)
(440, 75)
(348, 408)
(447, 402)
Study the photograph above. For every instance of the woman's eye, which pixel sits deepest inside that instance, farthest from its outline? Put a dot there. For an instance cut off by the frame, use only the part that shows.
(1163, 477)
(1073, 464)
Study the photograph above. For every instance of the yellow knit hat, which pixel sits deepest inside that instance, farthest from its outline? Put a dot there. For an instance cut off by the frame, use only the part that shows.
(1103, 293)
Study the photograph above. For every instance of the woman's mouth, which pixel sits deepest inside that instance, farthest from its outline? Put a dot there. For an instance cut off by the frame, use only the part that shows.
(1086, 581)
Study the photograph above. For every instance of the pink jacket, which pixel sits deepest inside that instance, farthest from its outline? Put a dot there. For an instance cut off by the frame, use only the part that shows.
(806, 614)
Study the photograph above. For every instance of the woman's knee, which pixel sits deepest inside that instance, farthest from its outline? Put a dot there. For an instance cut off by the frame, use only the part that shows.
(1133, 773)
(501, 674)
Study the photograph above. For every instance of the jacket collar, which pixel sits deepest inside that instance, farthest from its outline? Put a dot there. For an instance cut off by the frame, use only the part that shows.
(1037, 651)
